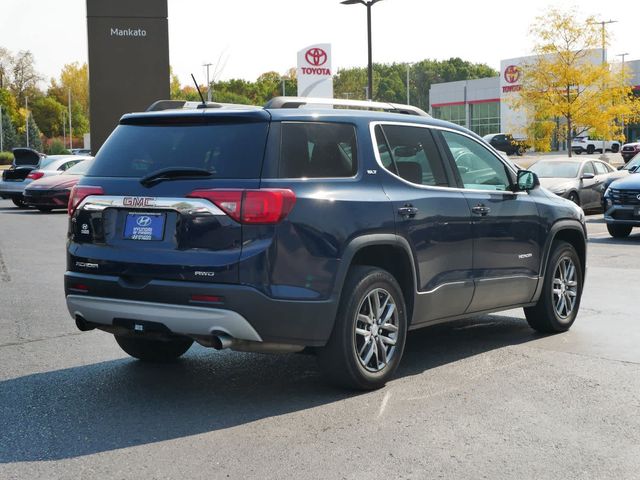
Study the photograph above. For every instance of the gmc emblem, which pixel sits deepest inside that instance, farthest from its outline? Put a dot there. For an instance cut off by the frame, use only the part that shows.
(138, 201)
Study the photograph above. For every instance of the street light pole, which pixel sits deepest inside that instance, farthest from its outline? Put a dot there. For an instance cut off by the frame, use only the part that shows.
(603, 24)
(408, 69)
(26, 107)
(368, 4)
(1, 132)
(208, 82)
(70, 124)
(623, 80)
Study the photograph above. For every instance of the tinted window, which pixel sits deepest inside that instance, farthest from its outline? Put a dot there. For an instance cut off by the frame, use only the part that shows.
(79, 168)
(233, 150)
(414, 155)
(383, 150)
(317, 150)
(478, 168)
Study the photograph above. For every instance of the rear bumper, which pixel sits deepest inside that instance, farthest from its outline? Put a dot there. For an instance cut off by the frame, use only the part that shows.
(12, 189)
(49, 198)
(243, 312)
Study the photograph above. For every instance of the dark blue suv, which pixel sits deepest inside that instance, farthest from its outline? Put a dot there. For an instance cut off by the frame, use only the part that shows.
(288, 227)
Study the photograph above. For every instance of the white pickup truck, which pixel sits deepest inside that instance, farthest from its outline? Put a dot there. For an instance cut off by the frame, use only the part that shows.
(585, 144)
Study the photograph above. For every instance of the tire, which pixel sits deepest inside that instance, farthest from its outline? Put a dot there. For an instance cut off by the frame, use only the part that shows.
(350, 358)
(153, 350)
(19, 202)
(549, 315)
(615, 148)
(573, 196)
(578, 152)
(590, 149)
(45, 209)
(619, 231)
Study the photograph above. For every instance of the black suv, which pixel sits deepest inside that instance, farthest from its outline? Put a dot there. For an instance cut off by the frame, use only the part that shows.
(278, 228)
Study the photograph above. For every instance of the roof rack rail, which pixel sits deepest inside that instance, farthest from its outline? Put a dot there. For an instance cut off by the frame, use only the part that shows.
(160, 105)
(297, 102)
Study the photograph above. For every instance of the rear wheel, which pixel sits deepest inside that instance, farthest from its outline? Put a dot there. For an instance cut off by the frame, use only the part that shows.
(590, 149)
(619, 231)
(615, 148)
(559, 301)
(19, 202)
(153, 350)
(368, 337)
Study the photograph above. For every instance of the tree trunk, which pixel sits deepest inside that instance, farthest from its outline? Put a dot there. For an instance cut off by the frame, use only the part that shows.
(569, 136)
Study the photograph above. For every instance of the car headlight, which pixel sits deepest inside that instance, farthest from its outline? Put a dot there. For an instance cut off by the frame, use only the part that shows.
(562, 191)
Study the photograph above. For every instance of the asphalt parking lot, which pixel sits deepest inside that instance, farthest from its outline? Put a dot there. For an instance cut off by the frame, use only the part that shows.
(480, 398)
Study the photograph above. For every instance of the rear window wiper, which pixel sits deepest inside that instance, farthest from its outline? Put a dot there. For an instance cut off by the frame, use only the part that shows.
(172, 173)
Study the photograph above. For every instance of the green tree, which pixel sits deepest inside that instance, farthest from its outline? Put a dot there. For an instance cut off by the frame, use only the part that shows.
(35, 135)
(566, 81)
(9, 135)
(74, 77)
(49, 114)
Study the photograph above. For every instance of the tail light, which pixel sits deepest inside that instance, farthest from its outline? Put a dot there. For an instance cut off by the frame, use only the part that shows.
(79, 193)
(35, 175)
(264, 206)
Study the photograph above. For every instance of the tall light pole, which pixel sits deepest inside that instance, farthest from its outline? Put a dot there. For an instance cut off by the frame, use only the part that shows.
(1, 132)
(408, 70)
(623, 80)
(26, 106)
(604, 24)
(208, 82)
(70, 124)
(368, 4)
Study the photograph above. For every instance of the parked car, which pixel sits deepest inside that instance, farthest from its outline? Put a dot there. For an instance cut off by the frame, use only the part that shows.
(632, 166)
(622, 206)
(278, 228)
(505, 142)
(630, 150)
(31, 168)
(14, 179)
(589, 145)
(52, 192)
(581, 181)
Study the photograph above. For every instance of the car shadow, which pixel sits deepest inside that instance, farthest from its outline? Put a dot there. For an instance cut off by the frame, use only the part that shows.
(121, 403)
(29, 211)
(632, 239)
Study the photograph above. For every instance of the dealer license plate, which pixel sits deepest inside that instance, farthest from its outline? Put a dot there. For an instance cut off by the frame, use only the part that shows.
(144, 226)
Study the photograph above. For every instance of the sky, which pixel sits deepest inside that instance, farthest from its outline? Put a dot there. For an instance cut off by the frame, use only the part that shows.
(250, 37)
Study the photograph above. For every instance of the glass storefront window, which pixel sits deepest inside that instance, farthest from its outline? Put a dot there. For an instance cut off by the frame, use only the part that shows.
(451, 113)
(485, 118)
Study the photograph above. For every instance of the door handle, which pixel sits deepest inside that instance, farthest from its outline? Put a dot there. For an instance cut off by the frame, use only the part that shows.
(481, 210)
(408, 211)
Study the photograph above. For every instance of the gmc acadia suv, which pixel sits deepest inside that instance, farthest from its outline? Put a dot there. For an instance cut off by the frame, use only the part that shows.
(290, 226)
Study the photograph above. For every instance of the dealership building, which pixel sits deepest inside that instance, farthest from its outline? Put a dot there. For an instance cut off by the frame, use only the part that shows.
(482, 104)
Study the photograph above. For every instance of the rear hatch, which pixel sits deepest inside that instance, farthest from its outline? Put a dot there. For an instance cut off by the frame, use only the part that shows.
(148, 211)
(24, 161)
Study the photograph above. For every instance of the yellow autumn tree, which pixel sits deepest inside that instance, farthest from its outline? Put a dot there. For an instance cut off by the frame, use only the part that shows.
(566, 89)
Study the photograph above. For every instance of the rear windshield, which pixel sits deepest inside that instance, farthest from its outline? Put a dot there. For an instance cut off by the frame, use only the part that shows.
(232, 150)
(556, 169)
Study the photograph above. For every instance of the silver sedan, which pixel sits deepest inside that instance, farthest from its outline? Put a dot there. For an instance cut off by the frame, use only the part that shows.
(581, 181)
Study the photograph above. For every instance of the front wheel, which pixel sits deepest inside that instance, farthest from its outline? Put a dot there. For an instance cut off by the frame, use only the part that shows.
(559, 301)
(369, 334)
(590, 149)
(573, 196)
(619, 231)
(150, 350)
(615, 148)
(19, 202)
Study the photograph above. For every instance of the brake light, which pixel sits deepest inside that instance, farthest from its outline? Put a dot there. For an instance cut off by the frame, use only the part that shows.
(263, 206)
(79, 193)
(35, 175)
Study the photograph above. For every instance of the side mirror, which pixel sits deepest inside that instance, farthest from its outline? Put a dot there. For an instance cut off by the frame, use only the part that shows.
(527, 180)
(587, 176)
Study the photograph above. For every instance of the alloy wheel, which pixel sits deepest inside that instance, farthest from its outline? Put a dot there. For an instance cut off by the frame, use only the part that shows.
(565, 288)
(376, 330)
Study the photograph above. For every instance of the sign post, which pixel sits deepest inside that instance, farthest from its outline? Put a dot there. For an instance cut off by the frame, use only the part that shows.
(315, 77)
(128, 60)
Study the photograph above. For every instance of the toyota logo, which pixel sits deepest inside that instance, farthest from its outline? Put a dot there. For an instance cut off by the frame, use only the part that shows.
(143, 221)
(511, 74)
(316, 57)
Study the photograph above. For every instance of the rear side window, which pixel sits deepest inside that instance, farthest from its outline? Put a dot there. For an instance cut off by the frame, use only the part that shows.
(317, 150)
(413, 154)
(227, 150)
(601, 168)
